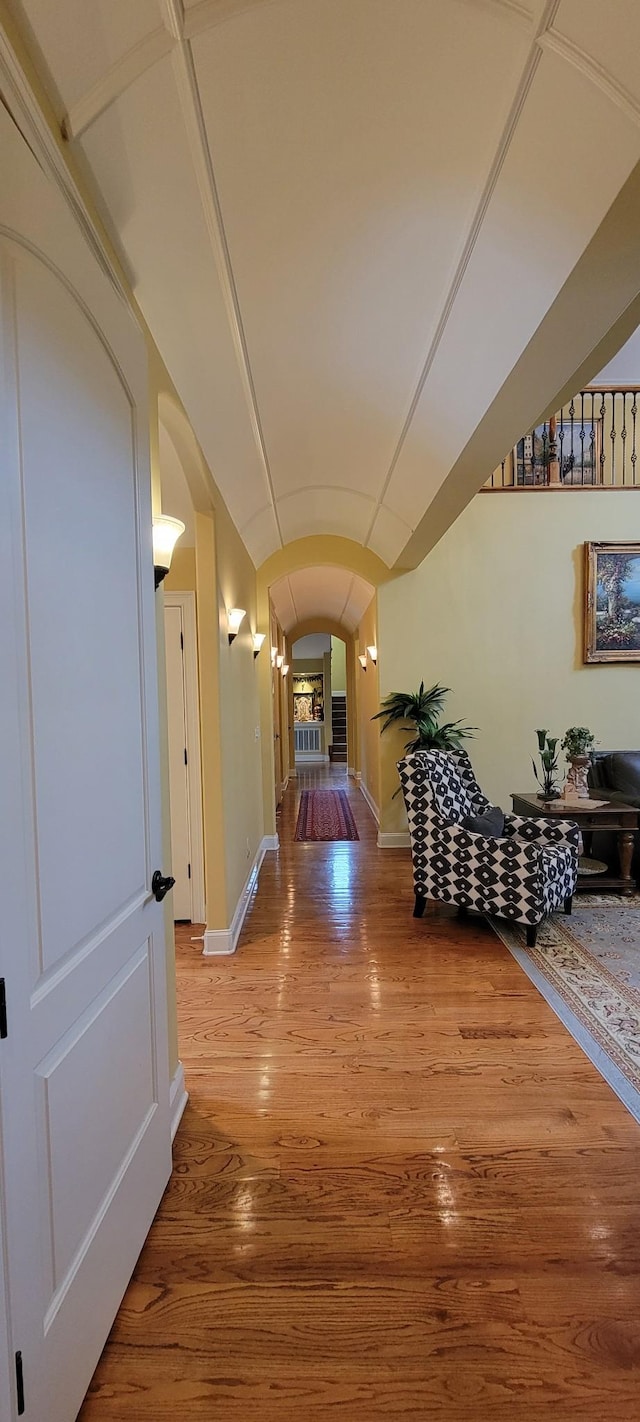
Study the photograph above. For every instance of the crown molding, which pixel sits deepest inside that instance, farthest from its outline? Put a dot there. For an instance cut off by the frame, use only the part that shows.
(38, 134)
(555, 43)
(198, 142)
(115, 82)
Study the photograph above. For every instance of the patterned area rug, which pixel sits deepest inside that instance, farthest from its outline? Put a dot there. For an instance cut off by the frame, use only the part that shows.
(587, 967)
(325, 814)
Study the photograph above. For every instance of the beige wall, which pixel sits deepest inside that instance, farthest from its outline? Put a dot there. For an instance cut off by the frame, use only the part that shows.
(182, 573)
(495, 613)
(368, 695)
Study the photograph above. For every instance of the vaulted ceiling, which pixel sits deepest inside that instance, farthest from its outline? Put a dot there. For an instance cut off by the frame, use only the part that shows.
(344, 221)
(315, 593)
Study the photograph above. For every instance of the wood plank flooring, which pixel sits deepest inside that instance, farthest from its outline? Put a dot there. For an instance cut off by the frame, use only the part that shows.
(400, 1189)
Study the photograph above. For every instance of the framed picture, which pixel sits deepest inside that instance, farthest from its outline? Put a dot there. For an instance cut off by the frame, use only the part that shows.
(578, 447)
(612, 602)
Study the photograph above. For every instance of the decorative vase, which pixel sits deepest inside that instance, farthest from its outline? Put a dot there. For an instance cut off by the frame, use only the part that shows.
(576, 787)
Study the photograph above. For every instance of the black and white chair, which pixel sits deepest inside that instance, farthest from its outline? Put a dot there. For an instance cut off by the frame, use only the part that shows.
(523, 873)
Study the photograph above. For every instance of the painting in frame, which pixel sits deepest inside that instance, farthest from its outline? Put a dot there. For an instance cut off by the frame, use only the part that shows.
(612, 602)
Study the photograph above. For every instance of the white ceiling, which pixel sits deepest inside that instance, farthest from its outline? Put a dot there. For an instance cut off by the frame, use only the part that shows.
(317, 593)
(344, 220)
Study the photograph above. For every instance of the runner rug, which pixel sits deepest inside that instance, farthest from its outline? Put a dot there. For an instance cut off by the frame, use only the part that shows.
(587, 966)
(325, 814)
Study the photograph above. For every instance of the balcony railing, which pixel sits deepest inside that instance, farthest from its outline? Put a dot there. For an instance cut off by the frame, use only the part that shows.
(591, 444)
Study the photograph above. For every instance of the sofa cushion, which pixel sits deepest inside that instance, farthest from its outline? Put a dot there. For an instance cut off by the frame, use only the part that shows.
(490, 823)
(622, 772)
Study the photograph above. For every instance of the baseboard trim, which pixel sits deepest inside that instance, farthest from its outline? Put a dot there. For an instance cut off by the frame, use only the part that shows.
(311, 758)
(222, 942)
(396, 839)
(178, 1097)
(370, 801)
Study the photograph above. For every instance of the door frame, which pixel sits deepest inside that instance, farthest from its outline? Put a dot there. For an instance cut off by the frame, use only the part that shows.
(186, 601)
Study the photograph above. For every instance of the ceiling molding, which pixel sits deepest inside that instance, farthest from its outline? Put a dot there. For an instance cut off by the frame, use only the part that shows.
(196, 133)
(555, 43)
(293, 601)
(206, 14)
(37, 133)
(117, 79)
(196, 20)
(526, 80)
(325, 489)
(347, 598)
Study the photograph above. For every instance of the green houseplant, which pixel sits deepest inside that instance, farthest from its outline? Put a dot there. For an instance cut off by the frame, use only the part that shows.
(576, 743)
(548, 752)
(421, 711)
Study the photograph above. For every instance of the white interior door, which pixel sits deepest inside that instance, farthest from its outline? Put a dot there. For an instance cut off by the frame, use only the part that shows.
(85, 1135)
(178, 763)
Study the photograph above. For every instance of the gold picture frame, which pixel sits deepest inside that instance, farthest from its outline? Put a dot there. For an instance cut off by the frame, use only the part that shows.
(612, 602)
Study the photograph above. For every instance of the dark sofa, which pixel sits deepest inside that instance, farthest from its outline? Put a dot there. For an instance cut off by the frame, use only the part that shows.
(616, 775)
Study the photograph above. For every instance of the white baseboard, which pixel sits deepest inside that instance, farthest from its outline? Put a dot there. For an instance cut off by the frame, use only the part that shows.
(221, 942)
(311, 758)
(371, 802)
(178, 1097)
(396, 839)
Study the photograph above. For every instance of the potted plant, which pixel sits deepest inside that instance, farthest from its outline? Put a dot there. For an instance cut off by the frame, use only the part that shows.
(420, 711)
(547, 750)
(576, 743)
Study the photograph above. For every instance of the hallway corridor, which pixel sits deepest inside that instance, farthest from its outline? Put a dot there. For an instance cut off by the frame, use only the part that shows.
(400, 1189)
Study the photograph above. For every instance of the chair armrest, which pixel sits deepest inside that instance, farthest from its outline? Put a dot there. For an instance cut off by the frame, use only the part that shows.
(548, 831)
(452, 842)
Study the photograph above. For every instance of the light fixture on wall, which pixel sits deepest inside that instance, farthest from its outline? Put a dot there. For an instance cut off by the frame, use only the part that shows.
(279, 661)
(235, 615)
(258, 639)
(274, 653)
(373, 653)
(166, 532)
(284, 668)
(362, 658)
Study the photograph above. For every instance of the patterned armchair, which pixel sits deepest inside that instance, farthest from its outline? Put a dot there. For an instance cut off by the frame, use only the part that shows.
(523, 875)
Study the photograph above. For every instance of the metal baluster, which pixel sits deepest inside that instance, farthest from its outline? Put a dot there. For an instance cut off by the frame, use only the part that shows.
(633, 434)
(592, 443)
(623, 437)
(603, 409)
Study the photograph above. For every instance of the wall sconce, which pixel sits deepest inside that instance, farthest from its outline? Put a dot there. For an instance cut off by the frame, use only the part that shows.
(235, 615)
(258, 639)
(166, 532)
(363, 660)
(284, 669)
(373, 653)
(279, 661)
(274, 653)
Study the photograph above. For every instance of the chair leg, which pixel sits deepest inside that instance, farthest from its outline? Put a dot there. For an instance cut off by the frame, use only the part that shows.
(532, 934)
(568, 904)
(420, 905)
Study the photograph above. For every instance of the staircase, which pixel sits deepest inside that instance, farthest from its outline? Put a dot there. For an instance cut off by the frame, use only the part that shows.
(339, 724)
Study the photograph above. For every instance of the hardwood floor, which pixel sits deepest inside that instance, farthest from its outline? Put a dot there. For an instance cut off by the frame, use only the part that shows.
(400, 1189)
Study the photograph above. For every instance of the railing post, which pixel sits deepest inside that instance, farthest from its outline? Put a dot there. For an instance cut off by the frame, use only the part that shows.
(553, 463)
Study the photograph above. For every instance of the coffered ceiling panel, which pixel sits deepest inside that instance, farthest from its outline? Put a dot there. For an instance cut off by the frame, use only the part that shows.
(345, 220)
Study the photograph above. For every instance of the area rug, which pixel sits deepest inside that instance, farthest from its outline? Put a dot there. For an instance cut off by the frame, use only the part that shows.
(326, 815)
(587, 967)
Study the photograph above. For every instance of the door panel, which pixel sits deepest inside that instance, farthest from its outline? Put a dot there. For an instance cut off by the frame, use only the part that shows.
(80, 536)
(84, 1100)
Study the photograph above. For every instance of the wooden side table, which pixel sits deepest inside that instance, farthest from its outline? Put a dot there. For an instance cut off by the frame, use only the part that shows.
(590, 815)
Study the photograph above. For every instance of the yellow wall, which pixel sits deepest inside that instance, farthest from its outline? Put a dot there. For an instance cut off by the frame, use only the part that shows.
(368, 703)
(338, 664)
(239, 709)
(496, 613)
(182, 573)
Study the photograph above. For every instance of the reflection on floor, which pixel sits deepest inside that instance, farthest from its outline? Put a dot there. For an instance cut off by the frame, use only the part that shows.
(400, 1189)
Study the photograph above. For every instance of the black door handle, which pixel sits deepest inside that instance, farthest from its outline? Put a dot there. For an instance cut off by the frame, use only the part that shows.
(161, 885)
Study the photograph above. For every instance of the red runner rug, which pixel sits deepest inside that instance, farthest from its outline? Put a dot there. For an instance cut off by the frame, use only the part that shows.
(325, 814)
